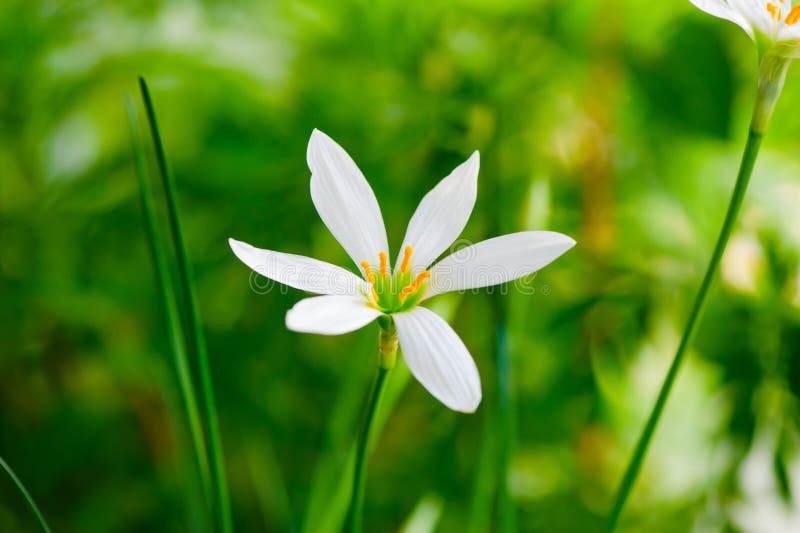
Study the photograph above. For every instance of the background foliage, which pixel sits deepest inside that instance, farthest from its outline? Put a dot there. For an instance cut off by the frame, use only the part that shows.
(618, 122)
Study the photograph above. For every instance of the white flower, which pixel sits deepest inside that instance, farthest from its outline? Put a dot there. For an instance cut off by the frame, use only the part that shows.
(345, 202)
(774, 26)
(768, 23)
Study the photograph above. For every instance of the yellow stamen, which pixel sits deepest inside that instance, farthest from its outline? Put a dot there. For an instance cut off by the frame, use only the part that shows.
(368, 271)
(414, 287)
(374, 295)
(774, 11)
(422, 277)
(794, 16)
(384, 267)
(406, 259)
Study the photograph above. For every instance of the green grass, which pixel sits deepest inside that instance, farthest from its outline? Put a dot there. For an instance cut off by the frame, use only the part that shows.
(25, 494)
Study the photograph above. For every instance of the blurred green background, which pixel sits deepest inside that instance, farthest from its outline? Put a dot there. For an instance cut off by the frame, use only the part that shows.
(618, 122)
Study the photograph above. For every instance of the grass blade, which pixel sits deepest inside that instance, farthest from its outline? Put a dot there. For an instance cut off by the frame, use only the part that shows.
(166, 289)
(186, 279)
(506, 413)
(26, 495)
(486, 479)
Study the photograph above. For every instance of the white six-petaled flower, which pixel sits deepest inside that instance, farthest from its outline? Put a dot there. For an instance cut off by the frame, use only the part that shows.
(434, 353)
(766, 22)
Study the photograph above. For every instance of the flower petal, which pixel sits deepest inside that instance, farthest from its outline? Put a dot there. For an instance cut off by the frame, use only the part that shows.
(330, 315)
(496, 261)
(789, 32)
(758, 15)
(741, 15)
(438, 359)
(298, 271)
(344, 200)
(442, 215)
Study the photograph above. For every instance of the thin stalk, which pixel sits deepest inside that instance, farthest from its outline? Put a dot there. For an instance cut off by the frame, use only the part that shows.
(388, 351)
(357, 501)
(632, 472)
(483, 489)
(26, 495)
(195, 324)
(170, 308)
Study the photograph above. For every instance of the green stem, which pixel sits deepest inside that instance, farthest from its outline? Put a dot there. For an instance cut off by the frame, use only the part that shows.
(632, 472)
(357, 498)
(170, 307)
(198, 335)
(388, 351)
(26, 495)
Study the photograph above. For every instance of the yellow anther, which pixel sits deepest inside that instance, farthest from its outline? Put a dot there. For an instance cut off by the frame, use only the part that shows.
(368, 271)
(794, 16)
(406, 259)
(414, 287)
(774, 11)
(384, 266)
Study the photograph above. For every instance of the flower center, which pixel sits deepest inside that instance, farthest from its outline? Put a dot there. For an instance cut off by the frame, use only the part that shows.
(776, 12)
(393, 292)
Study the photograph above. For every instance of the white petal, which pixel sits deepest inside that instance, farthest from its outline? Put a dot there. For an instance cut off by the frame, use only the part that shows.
(790, 33)
(739, 15)
(344, 200)
(442, 215)
(756, 13)
(497, 260)
(299, 271)
(438, 359)
(330, 315)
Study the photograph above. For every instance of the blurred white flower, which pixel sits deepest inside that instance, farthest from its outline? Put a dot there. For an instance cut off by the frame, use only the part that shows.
(743, 263)
(348, 207)
(762, 509)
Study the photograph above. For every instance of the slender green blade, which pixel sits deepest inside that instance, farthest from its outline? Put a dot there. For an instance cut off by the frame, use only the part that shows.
(186, 279)
(26, 495)
(486, 479)
(167, 293)
(506, 412)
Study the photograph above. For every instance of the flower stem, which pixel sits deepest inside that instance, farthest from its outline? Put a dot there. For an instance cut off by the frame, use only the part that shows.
(166, 289)
(634, 466)
(388, 354)
(186, 278)
(26, 495)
